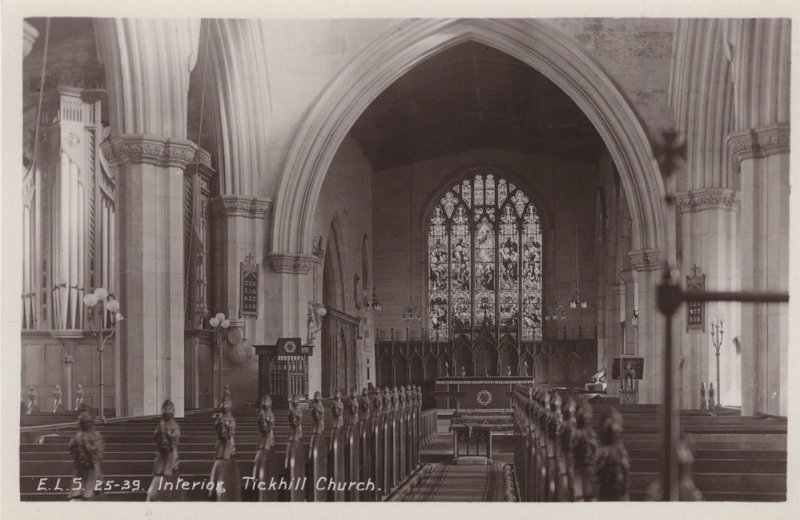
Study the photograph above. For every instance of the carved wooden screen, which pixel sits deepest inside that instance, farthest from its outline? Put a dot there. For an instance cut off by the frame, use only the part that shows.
(484, 260)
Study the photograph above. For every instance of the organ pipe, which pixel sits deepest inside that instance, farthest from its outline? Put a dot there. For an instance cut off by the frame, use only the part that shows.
(60, 254)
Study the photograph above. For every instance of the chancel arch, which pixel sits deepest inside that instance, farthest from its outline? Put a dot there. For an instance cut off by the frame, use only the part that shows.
(533, 42)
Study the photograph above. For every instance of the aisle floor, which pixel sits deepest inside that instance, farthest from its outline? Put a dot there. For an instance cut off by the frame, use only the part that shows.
(466, 481)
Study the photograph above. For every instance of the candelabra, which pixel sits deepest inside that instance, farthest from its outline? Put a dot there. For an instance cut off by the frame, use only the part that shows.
(716, 339)
(373, 305)
(98, 303)
(220, 325)
(577, 300)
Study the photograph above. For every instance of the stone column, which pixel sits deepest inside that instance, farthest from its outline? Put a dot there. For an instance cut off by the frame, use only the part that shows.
(615, 295)
(147, 63)
(238, 233)
(149, 172)
(650, 334)
(762, 156)
(709, 234)
(292, 287)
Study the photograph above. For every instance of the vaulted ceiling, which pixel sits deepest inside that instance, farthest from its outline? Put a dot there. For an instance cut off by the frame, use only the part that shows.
(472, 96)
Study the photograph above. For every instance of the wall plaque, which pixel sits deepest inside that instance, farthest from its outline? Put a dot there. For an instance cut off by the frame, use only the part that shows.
(695, 311)
(249, 288)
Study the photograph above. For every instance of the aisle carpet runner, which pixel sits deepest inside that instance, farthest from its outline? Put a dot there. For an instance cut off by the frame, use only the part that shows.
(461, 483)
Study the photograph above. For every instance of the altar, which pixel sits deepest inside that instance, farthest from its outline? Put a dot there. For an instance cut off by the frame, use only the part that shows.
(477, 394)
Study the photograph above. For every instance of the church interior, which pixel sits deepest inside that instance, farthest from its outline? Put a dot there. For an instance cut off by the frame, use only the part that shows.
(412, 252)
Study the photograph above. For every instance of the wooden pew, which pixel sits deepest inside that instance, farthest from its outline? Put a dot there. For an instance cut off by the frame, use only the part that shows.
(130, 450)
(735, 458)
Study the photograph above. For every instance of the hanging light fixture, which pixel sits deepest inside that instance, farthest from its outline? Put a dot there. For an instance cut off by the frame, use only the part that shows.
(554, 311)
(373, 304)
(412, 312)
(577, 300)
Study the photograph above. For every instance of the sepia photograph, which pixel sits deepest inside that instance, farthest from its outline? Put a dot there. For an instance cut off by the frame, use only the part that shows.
(397, 259)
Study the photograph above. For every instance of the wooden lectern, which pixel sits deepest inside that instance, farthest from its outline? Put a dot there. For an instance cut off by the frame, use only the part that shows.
(283, 370)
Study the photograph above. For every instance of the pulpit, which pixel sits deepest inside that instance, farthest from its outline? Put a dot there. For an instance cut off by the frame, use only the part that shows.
(283, 370)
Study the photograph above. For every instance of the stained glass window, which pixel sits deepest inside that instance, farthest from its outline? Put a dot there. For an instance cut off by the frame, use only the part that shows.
(484, 260)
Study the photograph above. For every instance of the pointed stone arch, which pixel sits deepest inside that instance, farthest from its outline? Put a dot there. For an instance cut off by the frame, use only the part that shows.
(534, 42)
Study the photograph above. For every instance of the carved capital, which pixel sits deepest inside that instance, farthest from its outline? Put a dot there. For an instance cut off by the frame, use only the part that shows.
(294, 263)
(706, 198)
(645, 259)
(759, 142)
(237, 206)
(203, 158)
(165, 152)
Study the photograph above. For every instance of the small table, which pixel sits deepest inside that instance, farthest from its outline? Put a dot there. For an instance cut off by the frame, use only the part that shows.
(479, 432)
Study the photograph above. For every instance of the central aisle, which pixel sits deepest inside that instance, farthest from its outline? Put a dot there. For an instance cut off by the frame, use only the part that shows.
(470, 480)
(460, 483)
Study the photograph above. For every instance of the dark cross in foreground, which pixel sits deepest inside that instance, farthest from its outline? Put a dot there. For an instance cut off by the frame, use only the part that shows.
(670, 153)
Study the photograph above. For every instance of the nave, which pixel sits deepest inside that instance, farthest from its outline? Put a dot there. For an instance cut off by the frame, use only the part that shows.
(555, 451)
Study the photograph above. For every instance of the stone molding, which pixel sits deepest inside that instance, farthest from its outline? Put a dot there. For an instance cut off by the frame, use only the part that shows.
(29, 36)
(238, 206)
(759, 142)
(164, 152)
(292, 263)
(707, 198)
(645, 259)
(628, 276)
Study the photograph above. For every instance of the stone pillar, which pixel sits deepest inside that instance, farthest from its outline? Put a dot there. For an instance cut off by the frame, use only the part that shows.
(762, 156)
(650, 334)
(149, 172)
(292, 287)
(615, 296)
(147, 64)
(709, 234)
(238, 233)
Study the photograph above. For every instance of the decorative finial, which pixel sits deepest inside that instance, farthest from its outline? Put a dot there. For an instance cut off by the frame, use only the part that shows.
(58, 404)
(337, 409)
(295, 419)
(317, 413)
(353, 406)
(363, 405)
(266, 423)
(86, 450)
(703, 396)
(584, 449)
(612, 465)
